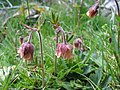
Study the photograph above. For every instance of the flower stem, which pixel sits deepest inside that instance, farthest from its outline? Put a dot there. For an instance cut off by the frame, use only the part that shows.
(63, 35)
(55, 62)
(42, 61)
(30, 36)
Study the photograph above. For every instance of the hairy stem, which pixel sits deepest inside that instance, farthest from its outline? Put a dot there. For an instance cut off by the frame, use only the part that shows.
(55, 62)
(28, 27)
(30, 36)
(42, 60)
(63, 34)
(32, 30)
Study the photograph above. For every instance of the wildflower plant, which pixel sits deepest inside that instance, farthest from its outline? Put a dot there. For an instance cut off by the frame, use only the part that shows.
(26, 49)
(94, 63)
(63, 49)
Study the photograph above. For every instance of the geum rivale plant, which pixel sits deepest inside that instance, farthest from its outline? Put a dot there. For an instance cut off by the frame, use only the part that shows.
(26, 50)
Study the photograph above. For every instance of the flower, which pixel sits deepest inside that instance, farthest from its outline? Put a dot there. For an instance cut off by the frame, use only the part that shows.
(26, 51)
(64, 50)
(93, 10)
(78, 43)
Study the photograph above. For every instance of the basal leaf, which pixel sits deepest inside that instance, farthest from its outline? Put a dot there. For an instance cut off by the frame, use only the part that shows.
(96, 78)
(106, 81)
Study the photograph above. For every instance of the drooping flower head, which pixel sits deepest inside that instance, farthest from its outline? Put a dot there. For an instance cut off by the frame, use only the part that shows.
(64, 50)
(26, 51)
(93, 10)
(78, 43)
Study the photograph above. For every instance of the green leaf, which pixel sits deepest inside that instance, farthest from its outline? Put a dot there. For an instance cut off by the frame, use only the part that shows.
(96, 78)
(67, 86)
(56, 20)
(53, 17)
(106, 81)
(70, 38)
(87, 69)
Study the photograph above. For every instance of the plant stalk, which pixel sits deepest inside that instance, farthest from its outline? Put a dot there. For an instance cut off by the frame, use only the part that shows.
(42, 60)
(63, 35)
(55, 62)
(60, 29)
(30, 36)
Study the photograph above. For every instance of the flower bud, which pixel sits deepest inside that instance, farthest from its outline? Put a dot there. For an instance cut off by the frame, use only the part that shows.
(93, 10)
(78, 43)
(26, 51)
(21, 40)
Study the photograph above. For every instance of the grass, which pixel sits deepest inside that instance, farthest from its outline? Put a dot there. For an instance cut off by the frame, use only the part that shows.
(94, 69)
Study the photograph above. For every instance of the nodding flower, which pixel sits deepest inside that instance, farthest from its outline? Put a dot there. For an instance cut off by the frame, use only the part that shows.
(78, 43)
(64, 51)
(93, 10)
(26, 51)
